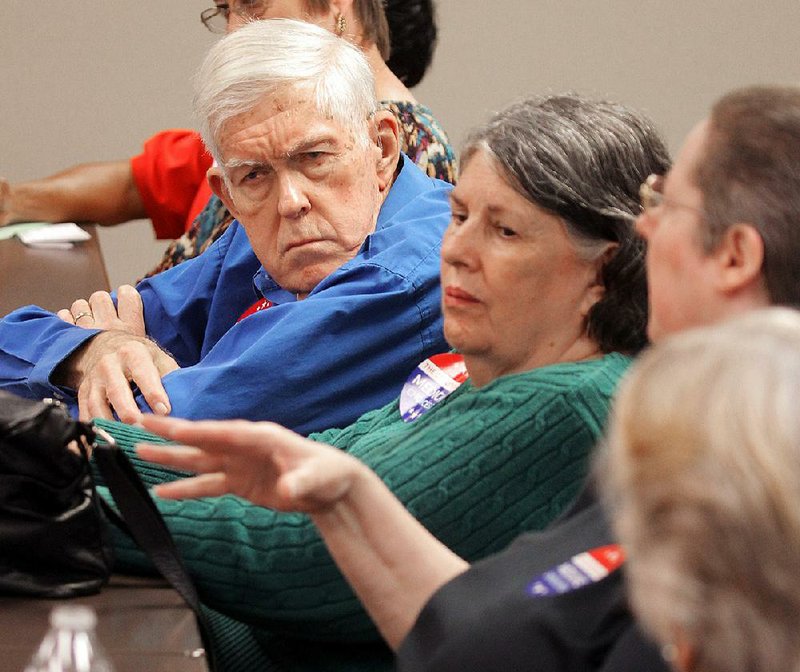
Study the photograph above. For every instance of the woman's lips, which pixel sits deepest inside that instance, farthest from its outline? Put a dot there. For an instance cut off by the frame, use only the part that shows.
(455, 296)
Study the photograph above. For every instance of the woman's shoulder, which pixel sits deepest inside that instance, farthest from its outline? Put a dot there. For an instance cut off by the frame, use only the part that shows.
(566, 376)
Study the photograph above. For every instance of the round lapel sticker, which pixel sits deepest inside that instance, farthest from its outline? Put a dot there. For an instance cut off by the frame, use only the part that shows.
(430, 382)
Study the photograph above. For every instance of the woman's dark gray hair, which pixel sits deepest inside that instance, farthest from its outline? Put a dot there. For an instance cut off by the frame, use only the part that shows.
(584, 160)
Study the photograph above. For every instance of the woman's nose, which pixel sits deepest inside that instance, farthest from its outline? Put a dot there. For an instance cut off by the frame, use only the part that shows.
(458, 244)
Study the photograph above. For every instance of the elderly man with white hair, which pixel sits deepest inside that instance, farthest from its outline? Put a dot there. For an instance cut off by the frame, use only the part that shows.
(313, 307)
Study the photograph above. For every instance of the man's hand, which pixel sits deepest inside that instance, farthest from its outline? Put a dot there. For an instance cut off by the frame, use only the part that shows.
(99, 312)
(104, 369)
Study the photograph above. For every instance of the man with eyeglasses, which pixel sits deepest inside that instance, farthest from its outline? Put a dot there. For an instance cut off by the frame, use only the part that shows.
(722, 227)
(313, 306)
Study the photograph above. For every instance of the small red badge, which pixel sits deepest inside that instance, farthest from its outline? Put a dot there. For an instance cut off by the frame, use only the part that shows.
(257, 307)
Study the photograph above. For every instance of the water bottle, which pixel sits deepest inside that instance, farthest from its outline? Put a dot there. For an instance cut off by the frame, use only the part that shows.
(71, 643)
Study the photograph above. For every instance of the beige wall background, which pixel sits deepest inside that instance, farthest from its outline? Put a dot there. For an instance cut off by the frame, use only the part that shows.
(91, 81)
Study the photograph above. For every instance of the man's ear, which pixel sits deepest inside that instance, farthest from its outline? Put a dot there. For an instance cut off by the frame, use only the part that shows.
(740, 259)
(385, 133)
(220, 188)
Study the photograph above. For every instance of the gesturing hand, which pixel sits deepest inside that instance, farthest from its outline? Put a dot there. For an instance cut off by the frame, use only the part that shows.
(262, 462)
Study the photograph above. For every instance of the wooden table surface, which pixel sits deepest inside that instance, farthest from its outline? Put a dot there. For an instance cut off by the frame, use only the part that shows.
(143, 625)
(49, 278)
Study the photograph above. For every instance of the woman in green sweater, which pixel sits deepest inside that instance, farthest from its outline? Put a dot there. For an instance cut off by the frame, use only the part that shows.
(544, 297)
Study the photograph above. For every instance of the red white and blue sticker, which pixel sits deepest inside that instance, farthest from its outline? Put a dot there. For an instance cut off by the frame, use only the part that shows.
(433, 380)
(257, 307)
(579, 571)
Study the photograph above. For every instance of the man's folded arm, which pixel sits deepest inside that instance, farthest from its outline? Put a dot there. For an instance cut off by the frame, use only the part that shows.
(320, 362)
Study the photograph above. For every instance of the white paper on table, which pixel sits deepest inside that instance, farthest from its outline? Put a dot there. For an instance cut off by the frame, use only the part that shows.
(59, 236)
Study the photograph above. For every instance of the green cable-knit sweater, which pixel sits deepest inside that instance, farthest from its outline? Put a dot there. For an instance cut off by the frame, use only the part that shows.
(478, 469)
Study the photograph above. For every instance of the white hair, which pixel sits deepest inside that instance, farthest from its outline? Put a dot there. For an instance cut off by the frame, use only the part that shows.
(265, 57)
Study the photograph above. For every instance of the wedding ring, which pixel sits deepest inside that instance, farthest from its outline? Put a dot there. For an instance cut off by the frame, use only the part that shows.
(84, 313)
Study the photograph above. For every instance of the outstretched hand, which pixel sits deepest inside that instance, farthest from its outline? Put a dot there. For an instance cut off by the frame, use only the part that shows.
(263, 462)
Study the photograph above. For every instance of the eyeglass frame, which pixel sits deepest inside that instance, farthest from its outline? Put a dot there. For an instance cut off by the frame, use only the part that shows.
(651, 196)
(224, 9)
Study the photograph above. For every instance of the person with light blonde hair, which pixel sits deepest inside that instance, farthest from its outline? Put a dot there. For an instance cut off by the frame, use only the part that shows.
(703, 482)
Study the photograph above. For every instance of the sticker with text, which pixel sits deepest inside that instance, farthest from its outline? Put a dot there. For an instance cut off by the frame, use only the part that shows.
(431, 381)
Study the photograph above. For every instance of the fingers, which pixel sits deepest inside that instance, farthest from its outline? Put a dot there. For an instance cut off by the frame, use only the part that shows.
(82, 315)
(93, 403)
(186, 458)
(148, 380)
(65, 316)
(206, 485)
(99, 312)
(218, 436)
(113, 361)
(104, 313)
(130, 310)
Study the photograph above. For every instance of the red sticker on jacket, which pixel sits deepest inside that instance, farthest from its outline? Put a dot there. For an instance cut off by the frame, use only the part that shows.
(579, 571)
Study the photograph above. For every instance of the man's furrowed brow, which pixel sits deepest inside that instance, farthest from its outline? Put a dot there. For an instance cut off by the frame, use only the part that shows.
(233, 164)
(319, 142)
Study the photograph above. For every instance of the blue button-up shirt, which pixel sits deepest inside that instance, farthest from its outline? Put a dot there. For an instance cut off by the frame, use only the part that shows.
(311, 364)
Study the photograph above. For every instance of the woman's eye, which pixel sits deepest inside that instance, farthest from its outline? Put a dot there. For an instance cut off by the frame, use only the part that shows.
(458, 217)
(505, 232)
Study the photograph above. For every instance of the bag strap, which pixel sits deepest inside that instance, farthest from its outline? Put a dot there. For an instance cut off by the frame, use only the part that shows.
(148, 528)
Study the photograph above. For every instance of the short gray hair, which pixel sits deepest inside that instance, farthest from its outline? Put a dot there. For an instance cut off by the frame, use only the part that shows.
(702, 478)
(267, 56)
(749, 174)
(584, 160)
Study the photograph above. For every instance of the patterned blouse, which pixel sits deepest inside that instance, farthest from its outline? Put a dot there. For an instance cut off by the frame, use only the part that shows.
(422, 139)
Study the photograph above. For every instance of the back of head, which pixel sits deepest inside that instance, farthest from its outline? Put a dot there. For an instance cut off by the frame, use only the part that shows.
(412, 25)
(268, 56)
(703, 478)
(751, 174)
(584, 161)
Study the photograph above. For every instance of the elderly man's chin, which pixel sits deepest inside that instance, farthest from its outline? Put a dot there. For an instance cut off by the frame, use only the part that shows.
(302, 268)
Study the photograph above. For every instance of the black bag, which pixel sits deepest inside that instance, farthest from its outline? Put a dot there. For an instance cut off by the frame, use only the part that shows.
(52, 528)
(52, 542)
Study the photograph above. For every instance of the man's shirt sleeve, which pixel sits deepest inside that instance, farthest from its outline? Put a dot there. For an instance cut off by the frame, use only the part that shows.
(320, 362)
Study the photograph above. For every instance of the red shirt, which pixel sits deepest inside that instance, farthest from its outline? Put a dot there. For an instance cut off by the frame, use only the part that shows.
(170, 175)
